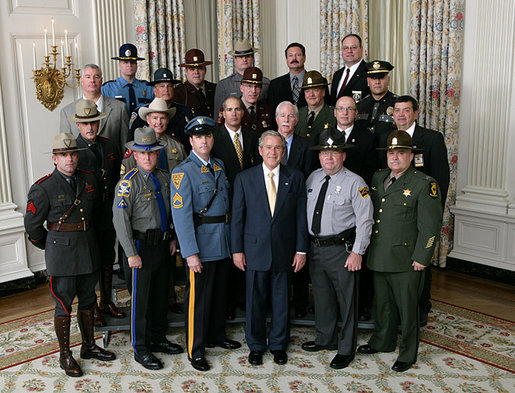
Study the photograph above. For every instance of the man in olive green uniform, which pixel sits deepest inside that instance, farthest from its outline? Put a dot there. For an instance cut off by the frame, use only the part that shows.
(317, 115)
(407, 222)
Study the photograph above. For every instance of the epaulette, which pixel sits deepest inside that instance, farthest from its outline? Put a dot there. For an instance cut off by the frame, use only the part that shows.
(129, 175)
(364, 98)
(84, 171)
(143, 80)
(43, 178)
(105, 83)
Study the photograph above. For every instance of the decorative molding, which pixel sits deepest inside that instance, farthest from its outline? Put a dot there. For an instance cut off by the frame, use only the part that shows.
(48, 7)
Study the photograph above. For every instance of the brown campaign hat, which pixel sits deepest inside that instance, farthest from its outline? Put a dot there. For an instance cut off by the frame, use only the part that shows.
(243, 48)
(64, 143)
(313, 79)
(86, 111)
(195, 58)
(253, 75)
(398, 140)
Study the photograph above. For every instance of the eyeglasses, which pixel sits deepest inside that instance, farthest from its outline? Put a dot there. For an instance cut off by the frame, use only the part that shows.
(346, 109)
(351, 48)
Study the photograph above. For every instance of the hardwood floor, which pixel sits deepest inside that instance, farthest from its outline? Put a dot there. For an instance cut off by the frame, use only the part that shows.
(474, 293)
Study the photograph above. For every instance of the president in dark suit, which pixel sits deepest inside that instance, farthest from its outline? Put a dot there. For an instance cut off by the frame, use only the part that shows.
(269, 240)
(351, 80)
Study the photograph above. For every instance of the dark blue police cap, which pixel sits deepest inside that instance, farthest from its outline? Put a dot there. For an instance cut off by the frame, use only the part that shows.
(200, 125)
(128, 52)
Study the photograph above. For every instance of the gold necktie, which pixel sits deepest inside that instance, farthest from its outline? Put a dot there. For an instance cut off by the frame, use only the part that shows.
(272, 192)
(239, 150)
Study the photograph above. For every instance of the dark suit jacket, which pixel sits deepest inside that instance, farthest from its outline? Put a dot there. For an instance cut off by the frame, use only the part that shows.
(301, 156)
(362, 159)
(358, 82)
(269, 242)
(434, 154)
(280, 90)
(224, 150)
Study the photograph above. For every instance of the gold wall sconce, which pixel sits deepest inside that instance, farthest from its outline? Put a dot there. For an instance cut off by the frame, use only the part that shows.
(49, 79)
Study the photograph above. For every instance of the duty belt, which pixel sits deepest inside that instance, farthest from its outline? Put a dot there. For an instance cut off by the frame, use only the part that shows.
(199, 219)
(69, 226)
(346, 237)
(153, 237)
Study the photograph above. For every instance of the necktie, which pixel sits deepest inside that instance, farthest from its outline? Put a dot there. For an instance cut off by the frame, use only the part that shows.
(201, 91)
(272, 192)
(162, 160)
(317, 214)
(160, 202)
(211, 170)
(72, 182)
(252, 111)
(132, 98)
(311, 119)
(239, 150)
(295, 90)
(389, 183)
(98, 157)
(344, 83)
(374, 110)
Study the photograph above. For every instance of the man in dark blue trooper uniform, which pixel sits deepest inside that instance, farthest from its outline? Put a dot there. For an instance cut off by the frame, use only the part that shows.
(141, 217)
(200, 209)
(127, 88)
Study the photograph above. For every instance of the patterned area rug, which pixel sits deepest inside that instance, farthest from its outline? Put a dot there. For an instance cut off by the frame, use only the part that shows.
(461, 351)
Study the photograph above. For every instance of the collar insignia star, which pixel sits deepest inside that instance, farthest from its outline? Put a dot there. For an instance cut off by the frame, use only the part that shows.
(407, 192)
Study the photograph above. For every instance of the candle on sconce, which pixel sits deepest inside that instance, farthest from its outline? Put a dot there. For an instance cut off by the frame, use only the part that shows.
(34, 54)
(66, 42)
(62, 54)
(46, 43)
(53, 32)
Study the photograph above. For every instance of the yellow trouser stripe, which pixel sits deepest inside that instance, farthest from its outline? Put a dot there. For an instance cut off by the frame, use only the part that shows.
(191, 314)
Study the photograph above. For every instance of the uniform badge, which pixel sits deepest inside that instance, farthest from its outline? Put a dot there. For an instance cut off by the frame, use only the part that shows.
(216, 167)
(430, 242)
(433, 190)
(419, 160)
(134, 115)
(389, 110)
(203, 169)
(407, 192)
(364, 192)
(174, 150)
(265, 124)
(177, 201)
(338, 189)
(124, 188)
(254, 127)
(326, 126)
(127, 53)
(31, 207)
(122, 204)
(177, 178)
(356, 95)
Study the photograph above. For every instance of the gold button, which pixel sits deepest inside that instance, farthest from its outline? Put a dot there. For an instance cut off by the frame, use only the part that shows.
(383, 200)
(378, 221)
(81, 210)
(82, 218)
(405, 244)
(376, 231)
(404, 203)
(380, 210)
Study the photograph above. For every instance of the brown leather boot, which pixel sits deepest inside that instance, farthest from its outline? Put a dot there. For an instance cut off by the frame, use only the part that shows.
(106, 287)
(89, 349)
(66, 360)
(98, 318)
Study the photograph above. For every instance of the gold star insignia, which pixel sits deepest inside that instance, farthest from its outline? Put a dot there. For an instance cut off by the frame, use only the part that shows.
(407, 192)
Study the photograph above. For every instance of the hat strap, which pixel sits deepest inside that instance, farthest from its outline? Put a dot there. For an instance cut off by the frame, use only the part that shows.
(146, 147)
(87, 116)
(242, 52)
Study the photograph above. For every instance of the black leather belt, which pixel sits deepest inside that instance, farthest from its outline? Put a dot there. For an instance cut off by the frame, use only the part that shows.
(346, 237)
(199, 220)
(153, 237)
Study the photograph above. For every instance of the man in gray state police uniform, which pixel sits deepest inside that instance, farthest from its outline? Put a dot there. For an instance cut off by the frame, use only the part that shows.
(141, 217)
(67, 200)
(339, 212)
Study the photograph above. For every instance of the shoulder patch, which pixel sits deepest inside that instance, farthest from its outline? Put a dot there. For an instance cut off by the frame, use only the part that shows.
(128, 153)
(177, 201)
(43, 178)
(433, 190)
(124, 188)
(130, 174)
(364, 192)
(177, 179)
(122, 204)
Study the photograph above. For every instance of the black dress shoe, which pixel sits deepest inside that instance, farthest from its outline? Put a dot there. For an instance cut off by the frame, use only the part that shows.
(280, 356)
(256, 358)
(166, 347)
(200, 364)
(312, 346)
(341, 361)
(300, 312)
(367, 349)
(401, 366)
(149, 361)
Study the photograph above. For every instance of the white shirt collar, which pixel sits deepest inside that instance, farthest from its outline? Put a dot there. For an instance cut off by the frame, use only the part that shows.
(411, 130)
